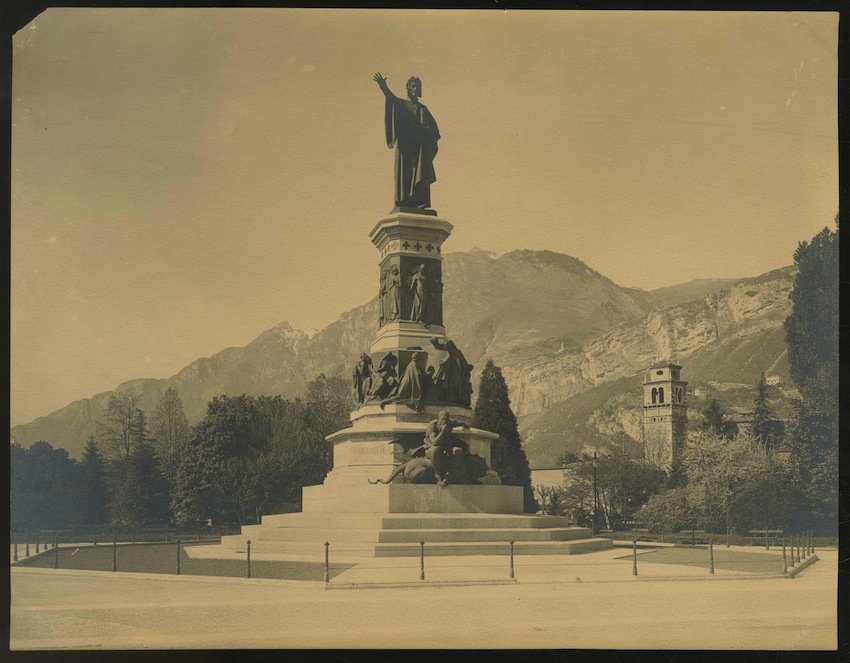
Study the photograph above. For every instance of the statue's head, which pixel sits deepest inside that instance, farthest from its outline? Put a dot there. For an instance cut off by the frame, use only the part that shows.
(443, 415)
(414, 87)
(395, 271)
(365, 358)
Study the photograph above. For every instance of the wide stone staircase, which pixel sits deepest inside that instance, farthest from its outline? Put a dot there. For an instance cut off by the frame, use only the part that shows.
(355, 535)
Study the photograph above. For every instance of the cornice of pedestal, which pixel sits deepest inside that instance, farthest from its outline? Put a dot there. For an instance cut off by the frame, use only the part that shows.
(371, 413)
(404, 335)
(414, 229)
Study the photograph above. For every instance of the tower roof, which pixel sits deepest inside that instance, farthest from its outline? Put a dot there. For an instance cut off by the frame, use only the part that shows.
(665, 364)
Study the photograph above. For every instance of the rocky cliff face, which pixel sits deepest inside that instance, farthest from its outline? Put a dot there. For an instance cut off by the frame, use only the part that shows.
(557, 328)
(748, 308)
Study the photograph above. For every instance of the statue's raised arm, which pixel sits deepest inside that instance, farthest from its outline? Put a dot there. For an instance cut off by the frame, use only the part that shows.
(382, 83)
(412, 130)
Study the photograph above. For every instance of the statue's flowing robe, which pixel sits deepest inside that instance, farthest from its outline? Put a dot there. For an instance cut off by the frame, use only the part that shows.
(362, 380)
(417, 287)
(411, 386)
(386, 378)
(411, 128)
(452, 378)
(394, 291)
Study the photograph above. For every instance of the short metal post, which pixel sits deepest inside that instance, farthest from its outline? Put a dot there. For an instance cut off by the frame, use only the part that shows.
(662, 534)
(799, 548)
(38, 545)
(178, 556)
(813, 543)
(249, 558)
(711, 556)
(634, 556)
(199, 533)
(115, 552)
(512, 560)
(28, 547)
(727, 536)
(766, 540)
(15, 554)
(327, 564)
(422, 560)
(133, 535)
(94, 536)
(693, 535)
(55, 553)
(784, 558)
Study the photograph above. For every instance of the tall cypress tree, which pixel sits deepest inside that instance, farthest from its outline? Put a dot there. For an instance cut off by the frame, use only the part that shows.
(493, 413)
(94, 496)
(811, 331)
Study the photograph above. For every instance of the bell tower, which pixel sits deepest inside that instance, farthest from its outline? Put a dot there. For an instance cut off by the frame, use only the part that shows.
(665, 415)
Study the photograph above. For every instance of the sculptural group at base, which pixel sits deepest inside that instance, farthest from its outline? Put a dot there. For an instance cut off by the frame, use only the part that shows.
(443, 459)
(448, 383)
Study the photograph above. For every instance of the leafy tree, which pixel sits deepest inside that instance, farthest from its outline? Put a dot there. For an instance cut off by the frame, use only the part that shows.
(196, 486)
(43, 487)
(717, 470)
(622, 486)
(551, 499)
(122, 426)
(764, 427)
(769, 503)
(93, 492)
(811, 331)
(169, 432)
(327, 405)
(673, 510)
(493, 413)
(811, 440)
(715, 422)
(253, 454)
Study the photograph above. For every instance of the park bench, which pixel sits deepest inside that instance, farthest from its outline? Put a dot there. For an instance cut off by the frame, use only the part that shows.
(693, 537)
(765, 537)
(643, 534)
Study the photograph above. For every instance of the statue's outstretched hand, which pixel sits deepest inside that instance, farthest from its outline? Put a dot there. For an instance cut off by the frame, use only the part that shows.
(381, 81)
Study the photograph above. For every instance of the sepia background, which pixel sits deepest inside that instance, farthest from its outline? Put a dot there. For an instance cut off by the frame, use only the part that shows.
(185, 179)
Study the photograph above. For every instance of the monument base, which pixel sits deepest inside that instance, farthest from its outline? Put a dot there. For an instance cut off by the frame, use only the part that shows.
(411, 498)
(391, 520)
(356, 536)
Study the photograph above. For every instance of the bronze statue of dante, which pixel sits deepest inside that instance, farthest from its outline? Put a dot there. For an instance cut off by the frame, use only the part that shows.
(412, 130)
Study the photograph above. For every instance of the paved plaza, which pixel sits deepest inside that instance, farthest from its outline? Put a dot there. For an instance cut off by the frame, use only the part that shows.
(587, 602)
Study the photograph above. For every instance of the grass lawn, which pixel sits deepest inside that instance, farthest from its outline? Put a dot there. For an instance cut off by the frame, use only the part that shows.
(729, 560)
(162, 558)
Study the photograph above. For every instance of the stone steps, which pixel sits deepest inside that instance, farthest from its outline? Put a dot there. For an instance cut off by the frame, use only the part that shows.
(412, 521)
(472, 520)
(483, 535)
(575, 547)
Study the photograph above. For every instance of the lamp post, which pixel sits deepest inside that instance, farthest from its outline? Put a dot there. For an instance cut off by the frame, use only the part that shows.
(623, 500)
(595, 499)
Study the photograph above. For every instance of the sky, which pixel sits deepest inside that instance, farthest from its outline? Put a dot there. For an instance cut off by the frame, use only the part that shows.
(184, 179)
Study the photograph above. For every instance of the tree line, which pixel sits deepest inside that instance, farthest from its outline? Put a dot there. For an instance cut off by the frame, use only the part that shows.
(248, 456)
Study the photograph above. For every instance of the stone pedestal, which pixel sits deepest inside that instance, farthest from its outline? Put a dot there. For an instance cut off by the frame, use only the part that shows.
(407, 242)
(367, 520)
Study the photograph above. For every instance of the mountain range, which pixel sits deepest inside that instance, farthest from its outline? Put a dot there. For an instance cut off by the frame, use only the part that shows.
(571, 343)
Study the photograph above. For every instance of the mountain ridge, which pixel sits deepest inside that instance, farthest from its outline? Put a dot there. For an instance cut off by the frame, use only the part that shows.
(555, 325)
